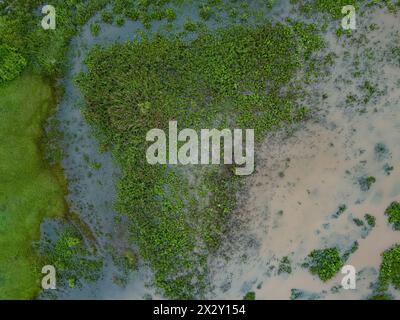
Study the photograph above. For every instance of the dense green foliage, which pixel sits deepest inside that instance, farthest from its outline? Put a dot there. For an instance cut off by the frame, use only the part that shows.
(390, 268)
(72, 259)
(231, 77)
(393, 212)
(366, 183)
(324, 263)
(11, 63)
(285, 266)
(29, 190)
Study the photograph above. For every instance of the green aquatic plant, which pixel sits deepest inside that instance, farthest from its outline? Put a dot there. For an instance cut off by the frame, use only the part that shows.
(205, 12)
(120, 21)
(393, 212)
(170, 14)
(44, 51)
(333, 8)
(352, 249)
(285, 266)
(371, 220)
(389, 273)
(342, 208)
(324, 263)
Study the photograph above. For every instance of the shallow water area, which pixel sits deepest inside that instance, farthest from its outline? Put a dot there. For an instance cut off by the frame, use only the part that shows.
(303, 177)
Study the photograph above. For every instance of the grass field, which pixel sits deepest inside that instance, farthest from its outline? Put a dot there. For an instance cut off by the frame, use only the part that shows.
(29, 189)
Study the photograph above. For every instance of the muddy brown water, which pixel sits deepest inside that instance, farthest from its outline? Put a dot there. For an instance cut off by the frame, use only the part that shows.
(302, 179)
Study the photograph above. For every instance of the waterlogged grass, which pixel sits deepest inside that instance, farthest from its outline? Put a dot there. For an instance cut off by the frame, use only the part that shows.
(29, 191)
(389, 274)
(226, 79)
(324, 263)
(166, 10)
(73, 259)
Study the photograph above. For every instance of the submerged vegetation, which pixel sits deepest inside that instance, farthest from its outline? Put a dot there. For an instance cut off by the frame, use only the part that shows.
(11, 63)
(285, 266)
(324, 263)
(251, 295)
(230, 77)
(390, 267)
(72, 258)
(389, 274)
(371, 220)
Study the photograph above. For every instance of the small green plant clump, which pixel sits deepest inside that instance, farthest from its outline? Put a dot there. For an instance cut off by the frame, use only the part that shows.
(11, 63)
(296, 294)
(333, 8)
(72, 259)
(324, 263)
(95, 29)
(342, 208)
(285, 266)
(371, 220)
(366, 183)
(393, 212)
(107, 17)
(251, 295)
(120, 21)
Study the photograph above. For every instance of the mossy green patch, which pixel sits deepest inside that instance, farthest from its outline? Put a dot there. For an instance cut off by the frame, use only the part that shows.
(334, 7)
(73, 259)
(29, 190)
(371, 220)
(324, 263)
